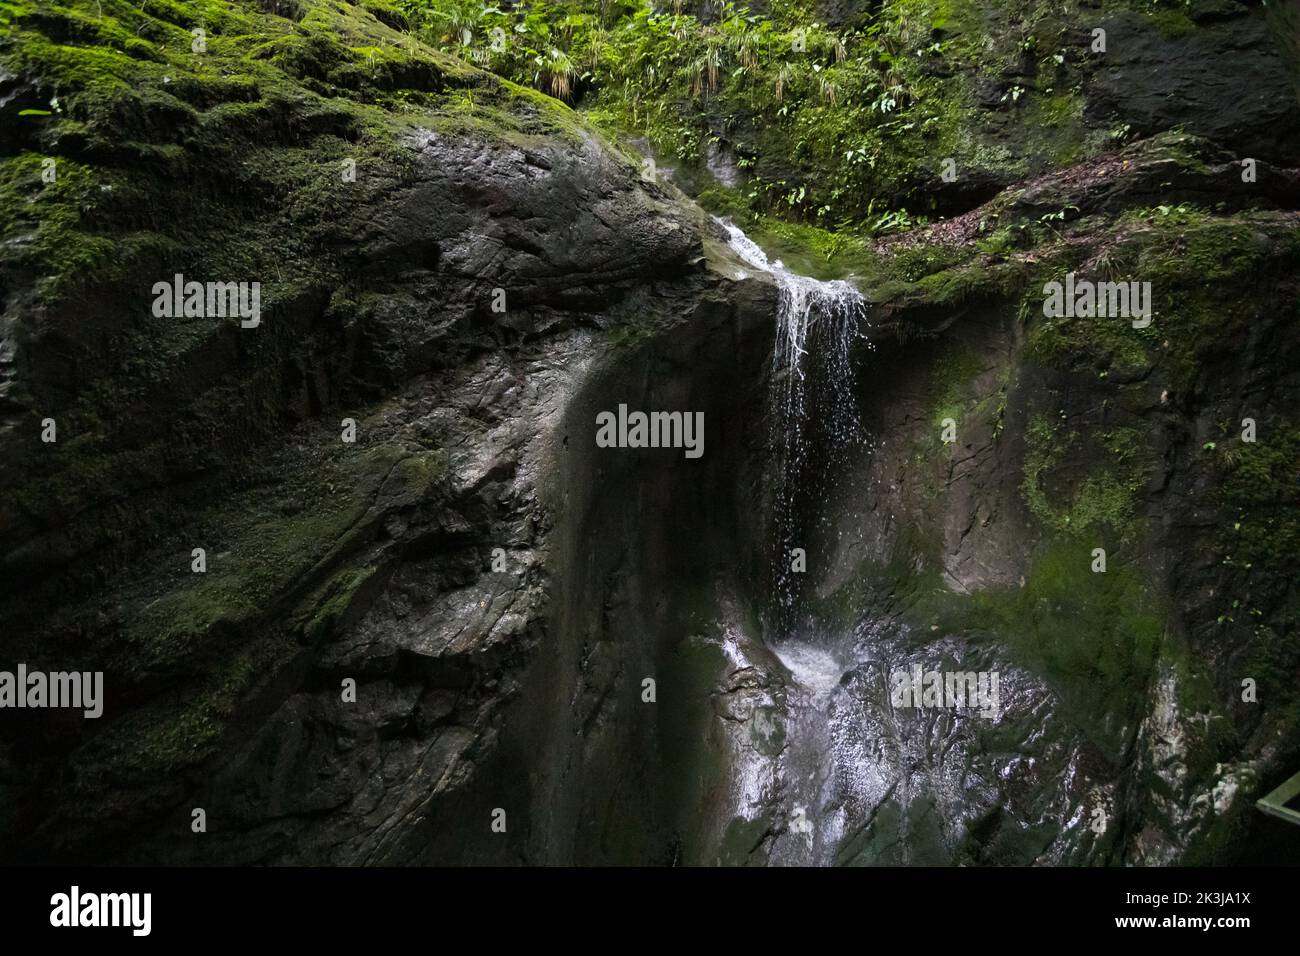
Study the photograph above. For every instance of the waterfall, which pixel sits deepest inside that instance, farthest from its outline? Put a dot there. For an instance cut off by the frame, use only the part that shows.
(813, 399)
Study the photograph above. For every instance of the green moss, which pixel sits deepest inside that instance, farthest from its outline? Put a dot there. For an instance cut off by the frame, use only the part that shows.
(327, 608)
(512, 113)
(878, 844)
(1261, 549)
(387, 12)
(1171, 23)
(885, 585)
(1195, 260)
(240, 584)
(178, 731)
(946, 279)
(1066, 502)
(1197, 265)
(262, 557)
(1093, 638)
(1057, 118)
(952, 287)
(949, 385)
(742, 838)
(898, 835)
(1258, 490)
(1013, 846)
(1102, 342)
(48, 216)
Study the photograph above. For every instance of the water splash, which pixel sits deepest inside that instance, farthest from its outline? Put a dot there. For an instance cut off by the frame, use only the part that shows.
(813, 398)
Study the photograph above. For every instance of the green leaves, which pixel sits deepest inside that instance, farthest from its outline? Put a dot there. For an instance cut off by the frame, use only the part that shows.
(834, 103)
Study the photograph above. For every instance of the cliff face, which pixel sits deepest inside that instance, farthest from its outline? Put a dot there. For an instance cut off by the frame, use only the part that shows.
(455, 614)
(448, 278)
(1125, 736)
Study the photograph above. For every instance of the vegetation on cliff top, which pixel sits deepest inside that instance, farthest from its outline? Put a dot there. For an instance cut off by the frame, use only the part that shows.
(845, 124)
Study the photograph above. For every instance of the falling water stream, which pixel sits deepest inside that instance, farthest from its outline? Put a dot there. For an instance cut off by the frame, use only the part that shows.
(812, 399)
(815, 432)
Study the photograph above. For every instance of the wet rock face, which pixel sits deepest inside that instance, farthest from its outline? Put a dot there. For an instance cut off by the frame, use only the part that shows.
(559, 224)
(477, 282)
(1224, 80)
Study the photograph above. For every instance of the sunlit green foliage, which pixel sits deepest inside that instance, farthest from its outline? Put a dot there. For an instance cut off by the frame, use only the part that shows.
(848, 106)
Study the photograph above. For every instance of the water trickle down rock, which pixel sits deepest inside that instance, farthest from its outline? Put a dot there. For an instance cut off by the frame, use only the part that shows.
(815, 433)
(812, 398)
